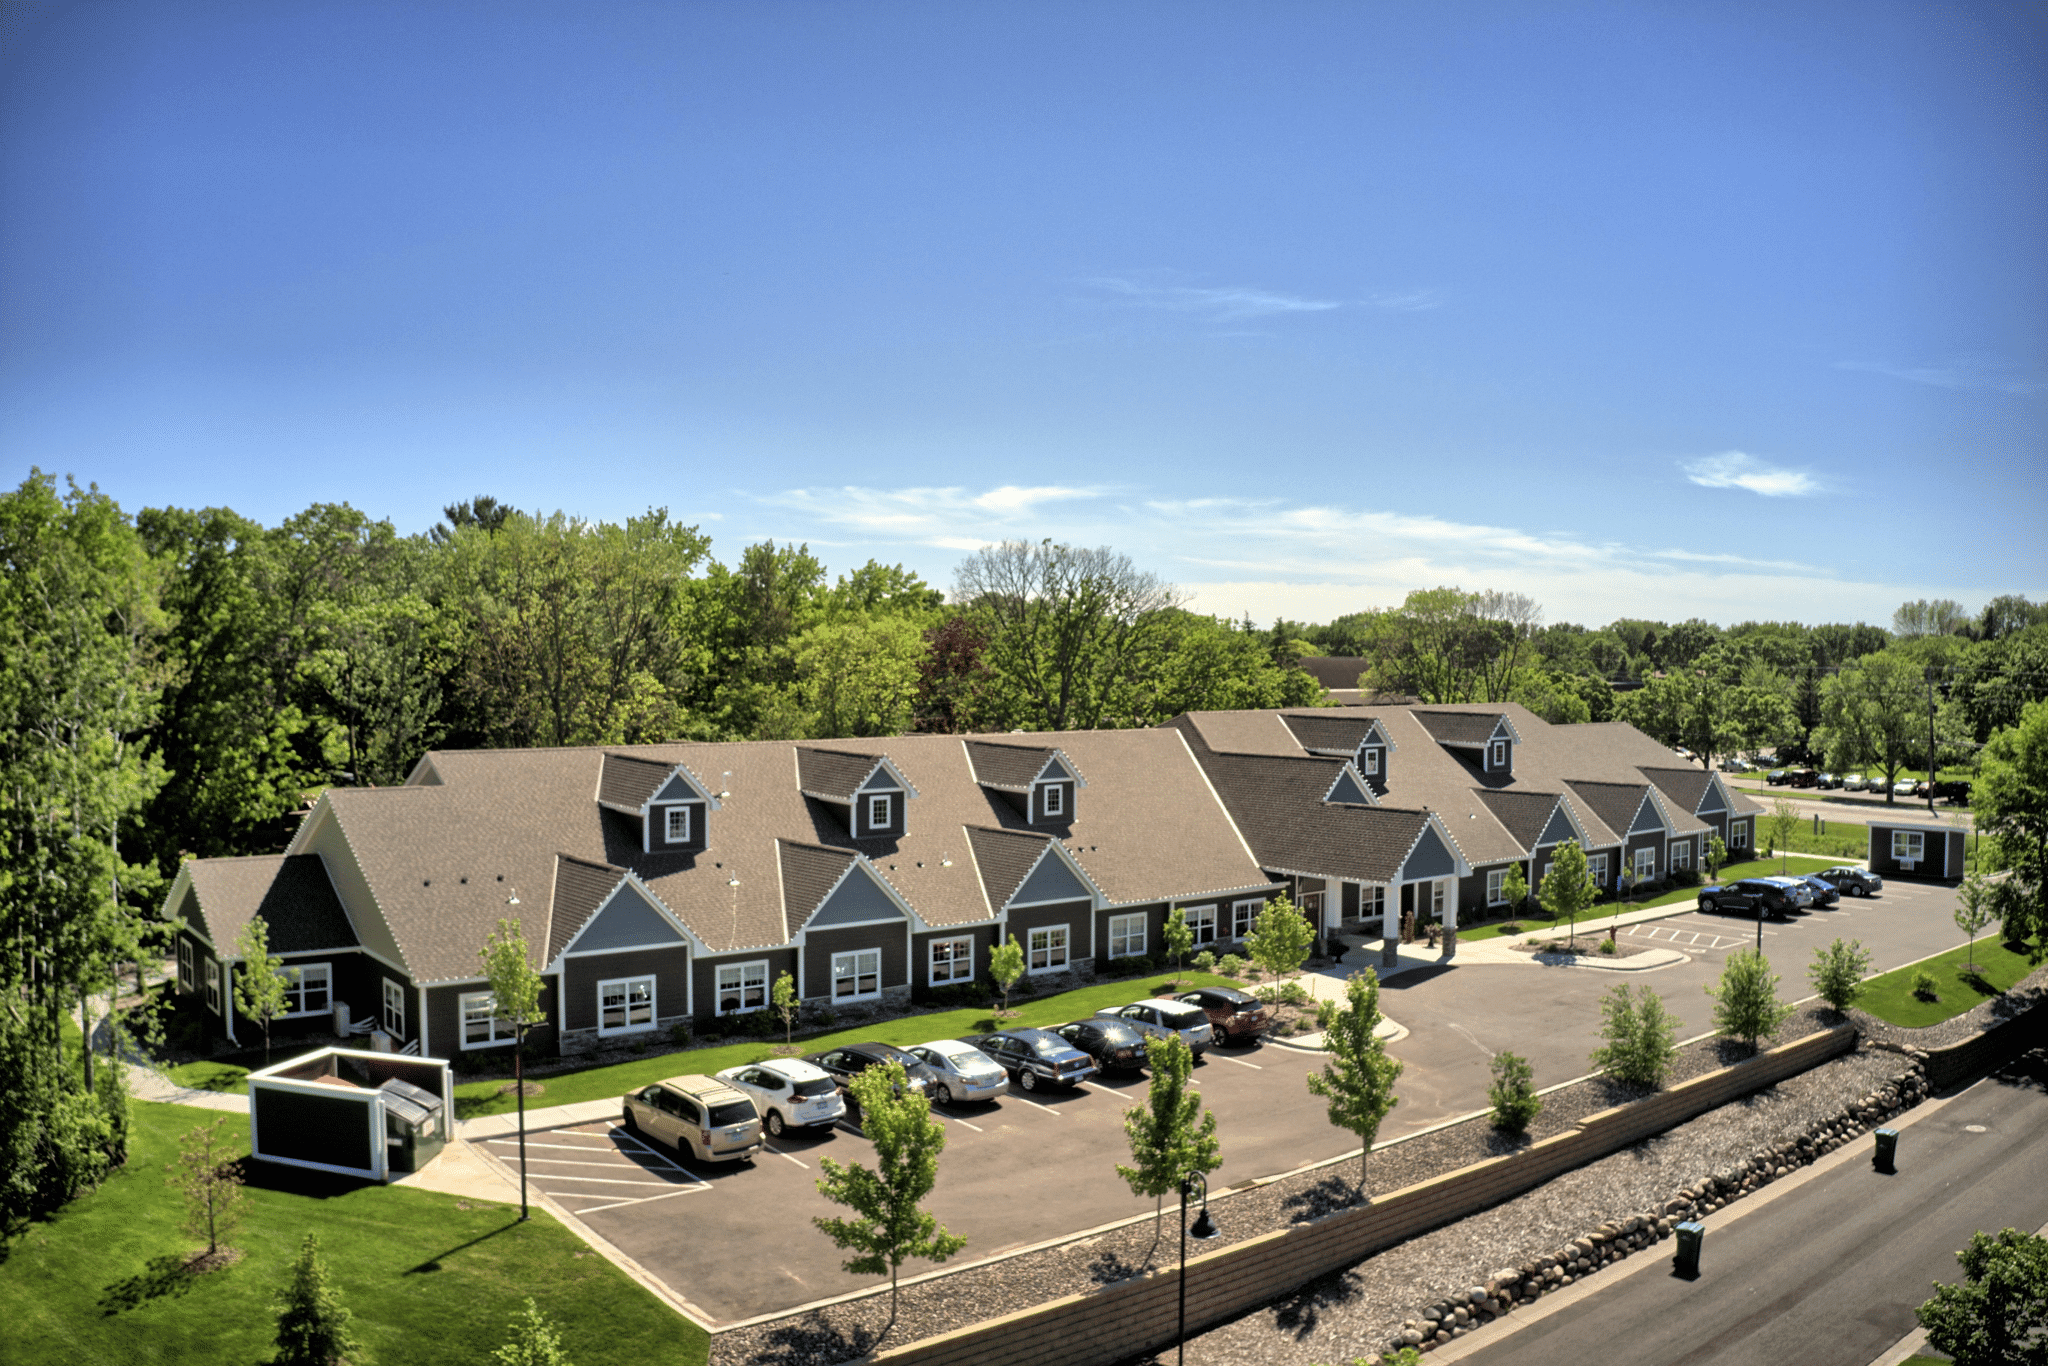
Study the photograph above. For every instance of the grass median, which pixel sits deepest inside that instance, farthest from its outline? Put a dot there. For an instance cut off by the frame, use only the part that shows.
(430, 1277)
(1889, 996)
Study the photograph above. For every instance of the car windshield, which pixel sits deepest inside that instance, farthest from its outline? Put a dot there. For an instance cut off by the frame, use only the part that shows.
(1183, 1019)
(1051, 1048)
(732, 1112)
(816, 1086)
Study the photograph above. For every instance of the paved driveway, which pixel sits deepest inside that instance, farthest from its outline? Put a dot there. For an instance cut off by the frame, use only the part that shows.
(737, 1241)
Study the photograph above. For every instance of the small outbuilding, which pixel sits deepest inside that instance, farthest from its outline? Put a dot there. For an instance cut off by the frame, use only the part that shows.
(1918, 850)
(351, 1112)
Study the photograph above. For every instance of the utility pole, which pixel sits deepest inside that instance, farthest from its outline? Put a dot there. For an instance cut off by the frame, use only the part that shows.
(1930, 746)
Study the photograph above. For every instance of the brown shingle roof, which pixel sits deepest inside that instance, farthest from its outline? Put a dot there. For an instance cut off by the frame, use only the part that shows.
(1005, 858)
(580, 888)
(1458, 727)
(834, 774)
(292, 894)
(1615, 804)
(1521, 814)
(627, 780)
(1328, 730)
(1007, 768)
(809, 871)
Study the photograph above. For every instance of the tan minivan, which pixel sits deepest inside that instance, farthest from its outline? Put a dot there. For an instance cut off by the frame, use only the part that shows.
(696, 1115)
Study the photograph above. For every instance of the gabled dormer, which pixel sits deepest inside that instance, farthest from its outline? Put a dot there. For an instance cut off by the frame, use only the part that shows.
(668, 801)
(867, 790)
(1372, 757)
(1346, 735)
(1350, 788)
(1486, 740)
(1039, 783)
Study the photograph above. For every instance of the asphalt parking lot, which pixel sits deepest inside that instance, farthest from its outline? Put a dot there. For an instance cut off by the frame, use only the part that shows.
(735, 1240)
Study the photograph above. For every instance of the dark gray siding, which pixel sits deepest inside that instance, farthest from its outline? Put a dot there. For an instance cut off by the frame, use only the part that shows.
(921, 954)
(1429, 859)
(1375, 768)
(1155, 929)
(581, 974)
(862, 828)
(705, 972)
(820, 945)
(444, 1018)
(1040, 815)
(330, 1129)
(1075, 915)
(657, 828)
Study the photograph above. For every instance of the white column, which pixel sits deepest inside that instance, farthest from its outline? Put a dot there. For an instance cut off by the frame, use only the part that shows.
(1390, 926)
(1450, 917)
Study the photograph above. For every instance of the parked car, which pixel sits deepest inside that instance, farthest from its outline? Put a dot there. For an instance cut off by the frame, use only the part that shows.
(1803, 777)
(1235, 1017)
(1852, 881)
(696, 1115)
(1853, 782)
(1824, 893)
(1159, 1018)
(1778, 777)
(789, 1093)
(1827, 782)
(1746, 895)
(1737, 766)
(1035, 1057)
(848, 1061)
(960, 1071)
(1905, 787)
(1954, 792)
(1111, 1043)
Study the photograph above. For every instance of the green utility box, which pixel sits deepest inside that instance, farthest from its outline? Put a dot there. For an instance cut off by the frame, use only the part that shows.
(1686, 1262)
(1885, 1158)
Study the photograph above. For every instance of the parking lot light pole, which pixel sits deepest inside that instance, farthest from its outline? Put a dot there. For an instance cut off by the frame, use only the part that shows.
(1205, 1230)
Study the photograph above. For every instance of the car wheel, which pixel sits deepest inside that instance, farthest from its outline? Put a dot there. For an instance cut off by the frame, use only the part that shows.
(943, 1094)
(775, 1124)
(1028, 1079)
(1857, 889)
(1706, 903)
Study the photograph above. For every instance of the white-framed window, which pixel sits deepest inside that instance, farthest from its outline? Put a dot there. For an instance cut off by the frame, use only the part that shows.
(1500, 754)
(1244, 915)
(1372, 763)
(1681, 855)
(1127, 934)
(1547, 867)
(308, 988)
(186, 979)
(952, 960)
(1908, 846)
(213, 985)
(1047, 951)
(742, 987)
(1055, 799)
(1495, 880)
(1436, 899)
(1202, 920)
(482, 1025)
(1646, 863)
(857, 976)
(1372, 902)
(1738, 836)
(1596, 868)
(679, 825)
(394, 1009)
(625, 1005)
(881, 810)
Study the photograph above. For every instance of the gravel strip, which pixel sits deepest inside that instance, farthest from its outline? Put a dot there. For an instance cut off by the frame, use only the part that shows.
(848, 1330)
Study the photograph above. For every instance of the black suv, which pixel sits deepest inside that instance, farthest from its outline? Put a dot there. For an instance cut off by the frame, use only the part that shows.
(1850, 881)
(848, 1061)
(1112, 1043)
(1746, 895)
(1954, 793)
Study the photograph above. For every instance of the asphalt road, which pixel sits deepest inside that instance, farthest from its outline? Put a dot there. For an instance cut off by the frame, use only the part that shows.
(1849, 806)
(1828, 1273)
(737, 1240)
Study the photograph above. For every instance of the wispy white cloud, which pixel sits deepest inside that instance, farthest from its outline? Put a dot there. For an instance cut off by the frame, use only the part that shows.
(1966, 372)
(1222, 303)
(1735, 470)
(933, 516)
(1406, 300)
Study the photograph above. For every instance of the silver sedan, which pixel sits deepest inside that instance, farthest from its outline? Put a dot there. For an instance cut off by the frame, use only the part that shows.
(960, 1071)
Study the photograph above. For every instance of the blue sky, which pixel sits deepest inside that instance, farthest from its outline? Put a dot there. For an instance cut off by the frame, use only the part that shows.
(1737, 310)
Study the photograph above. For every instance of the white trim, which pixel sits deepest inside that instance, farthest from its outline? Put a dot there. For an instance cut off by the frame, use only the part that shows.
(668, 824)
(688, 936)
(1124, 920)
(1066, 948)
(424, 1020)
(188, 966)
(495, 1039)
(1214, 922)
(1249, 910)
(393, 999)
(1348, 770)
(653, 1005)
(954, 962)
(631, 948)
(1054, 800)
(856, 974)
(286, 970)
(1497, 755)
(216, 992)
(718, 988)
(1741, 828)
(1913, 840)
(1637, 861)
(1678, 853)
(1496, 880)
(887, 801)
(1371, 755)
(859, 861)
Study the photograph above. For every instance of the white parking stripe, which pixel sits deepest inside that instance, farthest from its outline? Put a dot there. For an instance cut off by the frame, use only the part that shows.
(1098, 1086)
(572, 1162)
(565, 1147)
(785, 1156)
(604, 1180)
(976, 1127)
(1032, 1103)
(1239, 1061)
(642, 1200)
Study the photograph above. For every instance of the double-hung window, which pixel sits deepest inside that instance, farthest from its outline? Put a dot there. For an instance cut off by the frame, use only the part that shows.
(1244, 915)
(1908, 846)
(1646, 863)
(856, 976)
(742, 987)
(213, 985)
(1495, 881)
(308, 988)
(394, 1009)
(1500, 754)
(1127, 935)
(1047, 951)
(1202, 920)
(1055, 799)
(1436, 899)
(482, 1025)
(952, 960)
(185, 978)
(1372, 763)
(1738, 836)
(1596, 868)
(881, 811)
(1681, 855)
(625, 1005)
(679, 825)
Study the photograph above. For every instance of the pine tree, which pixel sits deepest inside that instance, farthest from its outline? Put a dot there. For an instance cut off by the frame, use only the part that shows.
(1171, 1136)
(1358, 1080)
(312, 1324)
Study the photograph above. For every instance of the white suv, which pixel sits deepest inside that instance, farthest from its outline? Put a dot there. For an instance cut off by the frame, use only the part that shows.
(1159, 1018)
(789, 1092)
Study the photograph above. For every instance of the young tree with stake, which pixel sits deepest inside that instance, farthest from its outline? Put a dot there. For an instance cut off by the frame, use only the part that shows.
(1280, 938)
(211, 1182)
(1783, 821)
(259, 987)
(1179, 937)
(891, 1226)
(1006, 965)
(1974, 912)
(1716, 854)
(1171, 1136)
(515, 997)
(1567, 888)
(1358, 1080)
(1514, 888)
(786, 1005)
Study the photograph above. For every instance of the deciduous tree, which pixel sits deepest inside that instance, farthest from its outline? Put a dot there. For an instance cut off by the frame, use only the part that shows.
(1746, 1001)
(1358, 1080)
(515, 999)
(208, 1174)
(1838, 971)
(1999, 1314)
(1171, 1136)
(1640, 1037)
(1006, 965)
(1567, 888)
(2010, 798)
(260, 985)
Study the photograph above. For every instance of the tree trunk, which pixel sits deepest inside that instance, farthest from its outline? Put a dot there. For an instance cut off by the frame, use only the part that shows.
(85, 1029)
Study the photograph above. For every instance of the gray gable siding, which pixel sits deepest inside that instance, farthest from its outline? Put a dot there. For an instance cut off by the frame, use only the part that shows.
(1055, 771)
(1051, 880)
(1558, 830)
(1345, 789)
(1712, 800)
(879, 781)
(628, 920)
(1429, 859)
(859, 898)
(678, 789)
(1647, 818)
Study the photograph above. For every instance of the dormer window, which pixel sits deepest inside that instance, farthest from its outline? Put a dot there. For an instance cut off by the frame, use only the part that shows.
(1500, 754)
(881, 812)
(1055, 800)
(1372, 763)
(679, 825)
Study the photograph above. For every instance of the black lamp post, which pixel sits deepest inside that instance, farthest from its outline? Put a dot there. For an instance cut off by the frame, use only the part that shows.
(1205, 1230)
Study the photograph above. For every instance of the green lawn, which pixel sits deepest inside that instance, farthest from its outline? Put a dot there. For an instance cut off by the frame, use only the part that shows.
(566, 1088)
(211, 1076)
(1890, 996)
(429, 1277)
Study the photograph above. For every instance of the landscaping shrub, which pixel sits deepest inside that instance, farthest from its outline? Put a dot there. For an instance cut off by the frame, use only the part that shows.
(1515, 1102)
(1326, 1014)
(1686, 877)
(757, 1024)
(679, 1034)
(1230, 965)
(1924, 985)
(1607, 947)
(1641, 1036)
(1205, 961)
(1838, 971)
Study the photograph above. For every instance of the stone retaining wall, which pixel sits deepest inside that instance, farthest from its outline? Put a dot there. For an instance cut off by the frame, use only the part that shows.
(1984, 1052)
(1139, 1314)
